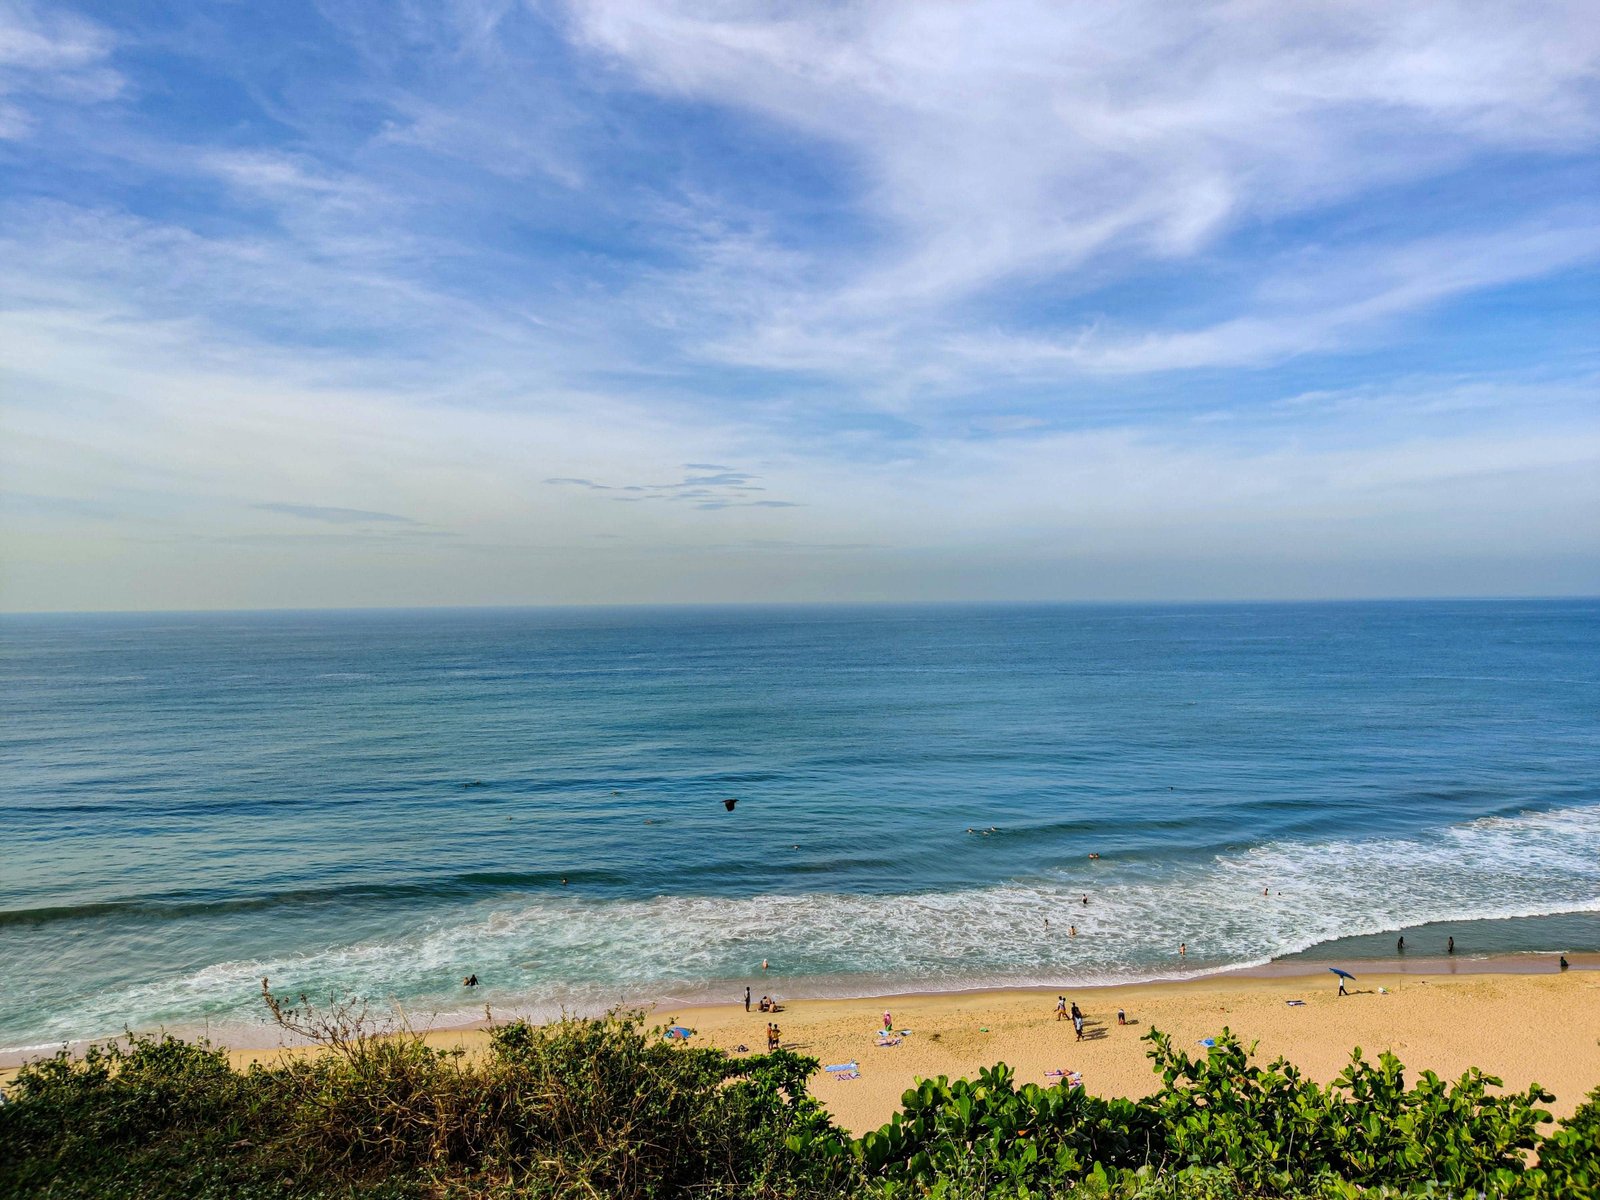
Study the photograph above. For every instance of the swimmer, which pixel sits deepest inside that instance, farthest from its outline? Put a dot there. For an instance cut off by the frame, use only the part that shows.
(1072, 931)
(1183, 949)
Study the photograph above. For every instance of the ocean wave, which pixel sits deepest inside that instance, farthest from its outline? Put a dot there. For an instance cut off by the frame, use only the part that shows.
(545, 953)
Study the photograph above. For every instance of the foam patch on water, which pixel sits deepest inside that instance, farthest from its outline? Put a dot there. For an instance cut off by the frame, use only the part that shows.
(540, 954)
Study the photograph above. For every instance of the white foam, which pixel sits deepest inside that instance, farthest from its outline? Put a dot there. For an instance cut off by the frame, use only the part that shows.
(540, 953)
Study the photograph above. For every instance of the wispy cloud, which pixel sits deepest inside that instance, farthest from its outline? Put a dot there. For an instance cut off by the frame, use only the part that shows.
(1036, 141)
(335, 516)
(48, 55)
(726, 488)
(658, 294)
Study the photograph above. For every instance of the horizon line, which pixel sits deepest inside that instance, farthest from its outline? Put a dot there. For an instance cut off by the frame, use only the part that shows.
(810, 604)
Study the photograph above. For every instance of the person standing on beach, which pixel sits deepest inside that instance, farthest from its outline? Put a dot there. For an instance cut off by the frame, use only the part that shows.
(1077, 1022)
(1061, 1008)
(747, 999)
(888, 1021)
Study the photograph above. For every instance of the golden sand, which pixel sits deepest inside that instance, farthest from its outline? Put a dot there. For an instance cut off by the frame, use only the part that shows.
(1523, 1028)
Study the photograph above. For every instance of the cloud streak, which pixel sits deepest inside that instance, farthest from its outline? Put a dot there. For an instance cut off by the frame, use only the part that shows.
(659, 300)
(335, 516)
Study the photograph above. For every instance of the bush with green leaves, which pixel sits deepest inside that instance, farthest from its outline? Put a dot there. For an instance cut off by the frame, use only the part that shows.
(1267, 1130)
(575, 1108)
(608, 1108)
(1273, 1126)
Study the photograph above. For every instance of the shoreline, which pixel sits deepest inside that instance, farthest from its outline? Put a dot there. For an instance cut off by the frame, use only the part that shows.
(1292, 967)
(1517, 1017)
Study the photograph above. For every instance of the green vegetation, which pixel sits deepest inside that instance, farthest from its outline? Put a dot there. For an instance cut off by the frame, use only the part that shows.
(606, 1108)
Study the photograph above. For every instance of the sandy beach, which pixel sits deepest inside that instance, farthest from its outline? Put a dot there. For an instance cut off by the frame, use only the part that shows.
(1522, 1027)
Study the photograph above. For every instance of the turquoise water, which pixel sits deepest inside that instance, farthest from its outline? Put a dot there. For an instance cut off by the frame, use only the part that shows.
(378, 803)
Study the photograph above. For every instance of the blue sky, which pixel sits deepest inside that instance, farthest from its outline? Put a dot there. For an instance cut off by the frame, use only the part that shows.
(650, 301)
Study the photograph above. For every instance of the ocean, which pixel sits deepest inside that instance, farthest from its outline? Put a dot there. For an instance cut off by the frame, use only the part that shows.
(378, 803)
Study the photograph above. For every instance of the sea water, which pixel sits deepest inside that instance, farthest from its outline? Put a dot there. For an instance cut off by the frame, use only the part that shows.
(376, 804)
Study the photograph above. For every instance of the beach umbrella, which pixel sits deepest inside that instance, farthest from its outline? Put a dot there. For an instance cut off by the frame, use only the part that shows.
(1337, 971)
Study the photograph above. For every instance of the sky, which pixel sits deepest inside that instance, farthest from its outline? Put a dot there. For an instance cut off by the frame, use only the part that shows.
(658, 301)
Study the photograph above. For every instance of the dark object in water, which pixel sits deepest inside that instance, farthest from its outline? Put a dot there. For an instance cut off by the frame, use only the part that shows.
(729, 803)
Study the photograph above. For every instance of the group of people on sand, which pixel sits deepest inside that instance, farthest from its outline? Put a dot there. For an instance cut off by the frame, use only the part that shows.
(768, 1003)
(1063, 1011)
(1077, 1015)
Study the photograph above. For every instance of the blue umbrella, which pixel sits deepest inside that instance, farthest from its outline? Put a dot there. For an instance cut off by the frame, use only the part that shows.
(1337, 971)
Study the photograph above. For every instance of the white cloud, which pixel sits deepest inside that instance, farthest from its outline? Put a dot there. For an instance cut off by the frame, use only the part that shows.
(1015, 142)
(51, 55)
(373, 321)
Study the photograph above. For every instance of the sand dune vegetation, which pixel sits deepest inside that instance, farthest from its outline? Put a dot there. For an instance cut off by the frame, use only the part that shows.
(610, 1108)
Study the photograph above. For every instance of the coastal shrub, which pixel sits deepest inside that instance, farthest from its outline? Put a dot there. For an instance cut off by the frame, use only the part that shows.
(587, 1108)
(1223, 1122)
(602, 1107)
(1569, 1159)
(989, 1134)
(1272, 1126)
(608, 1108)
(144, 1116)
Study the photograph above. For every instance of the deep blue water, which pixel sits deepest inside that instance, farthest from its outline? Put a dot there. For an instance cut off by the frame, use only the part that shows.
(380, 802)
